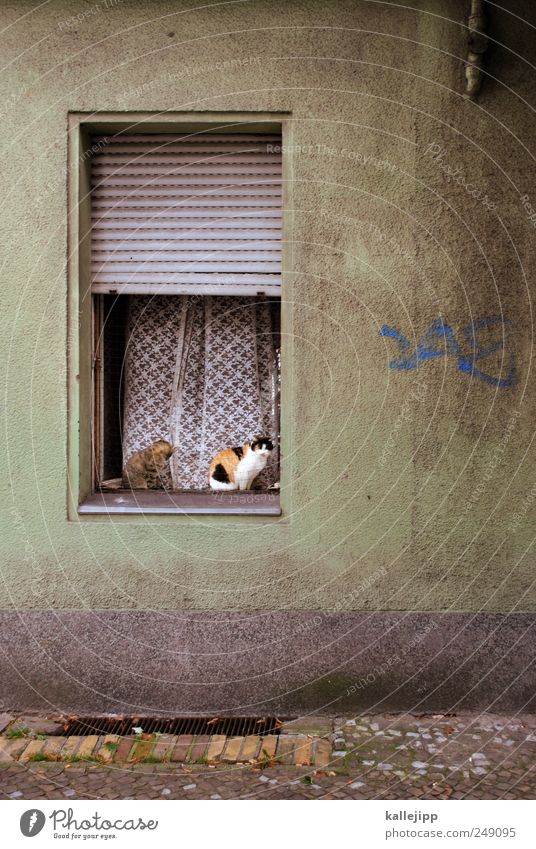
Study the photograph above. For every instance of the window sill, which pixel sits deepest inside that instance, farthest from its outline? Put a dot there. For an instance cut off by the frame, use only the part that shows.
(153, 502)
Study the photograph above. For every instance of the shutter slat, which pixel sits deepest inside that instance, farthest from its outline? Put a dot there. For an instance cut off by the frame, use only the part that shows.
(220, 194)
(200, 237)
(227, 135)
(194, 266)
(216, 166)
(180, 284)
(167, 250)
(257, 278)
(224, 203)
(198, 212)
(184, 179)
(188, 143)
(125, 248)
(188, 256)
(195, 217)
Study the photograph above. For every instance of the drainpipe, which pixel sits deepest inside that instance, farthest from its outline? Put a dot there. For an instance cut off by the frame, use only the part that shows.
(478, 43)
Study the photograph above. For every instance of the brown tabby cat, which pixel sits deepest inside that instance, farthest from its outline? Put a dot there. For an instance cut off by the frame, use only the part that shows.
(146, 468)
(237, 468)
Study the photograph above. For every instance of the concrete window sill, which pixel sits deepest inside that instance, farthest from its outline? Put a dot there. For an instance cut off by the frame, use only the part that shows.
(143, 502)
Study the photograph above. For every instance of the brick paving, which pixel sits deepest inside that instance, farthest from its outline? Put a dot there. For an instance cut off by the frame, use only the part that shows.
(366, 757)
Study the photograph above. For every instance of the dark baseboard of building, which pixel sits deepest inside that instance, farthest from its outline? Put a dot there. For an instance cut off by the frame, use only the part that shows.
(279, 663)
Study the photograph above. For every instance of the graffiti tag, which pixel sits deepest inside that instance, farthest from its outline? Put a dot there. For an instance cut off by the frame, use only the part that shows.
(440, 341)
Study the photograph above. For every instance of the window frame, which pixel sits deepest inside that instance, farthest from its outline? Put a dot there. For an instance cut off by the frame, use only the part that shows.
(82, 503)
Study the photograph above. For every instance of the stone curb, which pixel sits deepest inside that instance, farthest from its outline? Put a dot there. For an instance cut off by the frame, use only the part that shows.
(288, 749)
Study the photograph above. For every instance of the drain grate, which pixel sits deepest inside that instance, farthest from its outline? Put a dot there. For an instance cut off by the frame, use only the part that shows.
(232, 726)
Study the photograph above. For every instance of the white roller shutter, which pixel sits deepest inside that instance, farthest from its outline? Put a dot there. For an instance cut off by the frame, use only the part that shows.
(187, 214)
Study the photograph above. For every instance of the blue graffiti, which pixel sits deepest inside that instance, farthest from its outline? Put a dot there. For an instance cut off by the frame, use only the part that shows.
(440, 341)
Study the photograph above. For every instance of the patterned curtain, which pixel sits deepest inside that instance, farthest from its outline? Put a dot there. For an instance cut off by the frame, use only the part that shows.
(201, 372)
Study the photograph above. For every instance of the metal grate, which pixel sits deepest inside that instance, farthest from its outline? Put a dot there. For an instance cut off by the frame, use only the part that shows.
(233, 726)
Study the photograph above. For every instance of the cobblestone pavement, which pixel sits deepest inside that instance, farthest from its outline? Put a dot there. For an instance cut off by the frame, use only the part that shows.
(372, 757)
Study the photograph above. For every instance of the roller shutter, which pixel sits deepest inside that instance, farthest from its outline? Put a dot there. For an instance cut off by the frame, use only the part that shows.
(190, 214)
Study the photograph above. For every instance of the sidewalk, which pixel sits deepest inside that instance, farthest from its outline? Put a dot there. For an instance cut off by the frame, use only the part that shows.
(367, 757)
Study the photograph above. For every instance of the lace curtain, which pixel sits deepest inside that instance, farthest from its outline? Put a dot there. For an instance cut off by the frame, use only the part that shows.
(201, 372)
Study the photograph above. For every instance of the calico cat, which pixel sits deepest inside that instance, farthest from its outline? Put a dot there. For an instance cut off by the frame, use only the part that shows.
(146, 468)
(237, 468)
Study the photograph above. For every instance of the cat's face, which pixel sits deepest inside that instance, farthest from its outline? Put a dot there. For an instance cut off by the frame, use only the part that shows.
(262, 445)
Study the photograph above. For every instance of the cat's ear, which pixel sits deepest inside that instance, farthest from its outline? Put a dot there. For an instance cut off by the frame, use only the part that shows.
(174, 448)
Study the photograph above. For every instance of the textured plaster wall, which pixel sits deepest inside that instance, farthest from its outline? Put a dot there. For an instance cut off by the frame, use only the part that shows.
(404, 481)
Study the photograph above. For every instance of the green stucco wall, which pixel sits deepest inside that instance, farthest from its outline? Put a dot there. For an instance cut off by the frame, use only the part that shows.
(404, 482)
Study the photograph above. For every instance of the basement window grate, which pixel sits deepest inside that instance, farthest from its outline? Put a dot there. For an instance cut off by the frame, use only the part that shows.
(231, 726)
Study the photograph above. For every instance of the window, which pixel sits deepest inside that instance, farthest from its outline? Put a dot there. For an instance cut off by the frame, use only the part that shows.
(185, 259)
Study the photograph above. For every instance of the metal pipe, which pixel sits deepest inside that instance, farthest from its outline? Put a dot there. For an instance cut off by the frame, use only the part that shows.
(478, 43)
